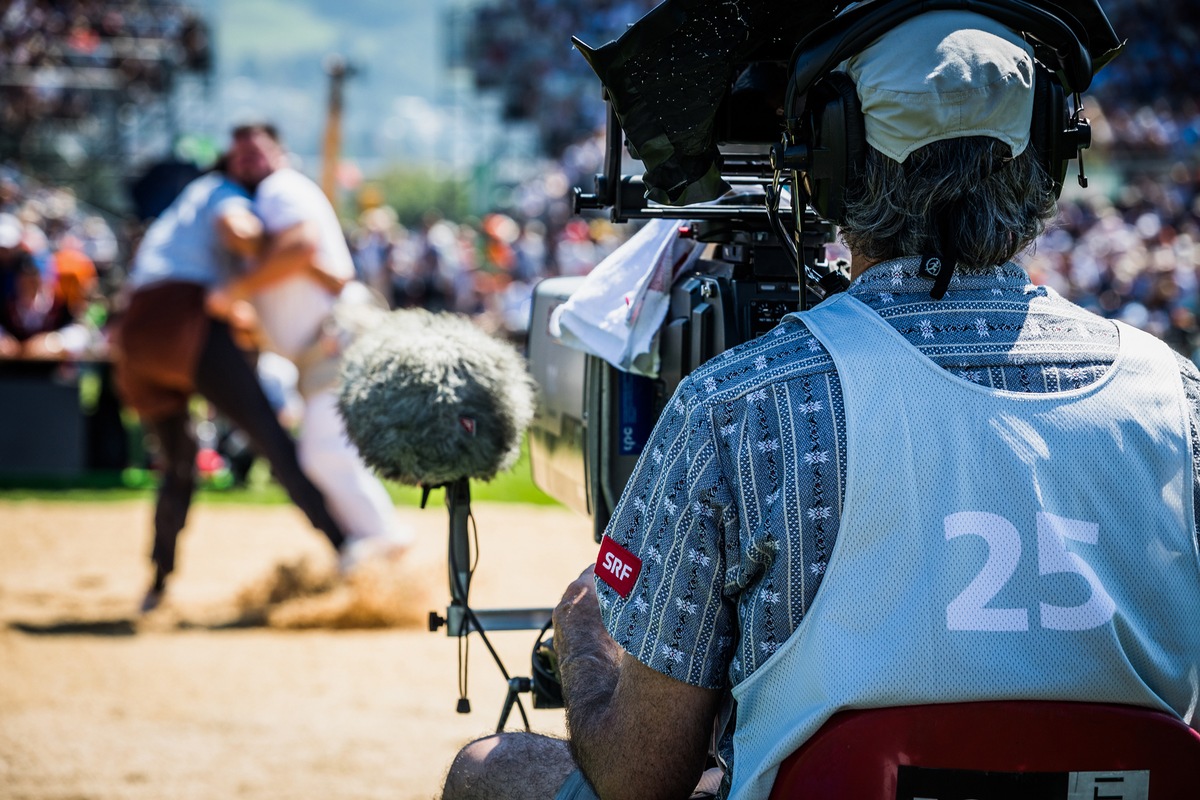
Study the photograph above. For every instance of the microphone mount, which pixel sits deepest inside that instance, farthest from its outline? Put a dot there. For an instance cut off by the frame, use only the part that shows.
(461, 619)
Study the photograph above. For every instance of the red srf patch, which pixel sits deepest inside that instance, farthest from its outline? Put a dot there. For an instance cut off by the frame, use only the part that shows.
(617, 567)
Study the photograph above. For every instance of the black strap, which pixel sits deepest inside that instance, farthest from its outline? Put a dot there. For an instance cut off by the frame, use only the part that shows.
(938, 265)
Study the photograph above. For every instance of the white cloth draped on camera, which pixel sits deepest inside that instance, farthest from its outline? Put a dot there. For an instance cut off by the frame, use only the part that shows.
(618, 309)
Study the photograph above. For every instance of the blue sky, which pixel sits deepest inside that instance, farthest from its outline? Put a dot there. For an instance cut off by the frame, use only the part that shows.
(269, 64)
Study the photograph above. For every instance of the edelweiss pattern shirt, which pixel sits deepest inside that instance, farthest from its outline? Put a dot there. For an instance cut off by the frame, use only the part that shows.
(735, 504)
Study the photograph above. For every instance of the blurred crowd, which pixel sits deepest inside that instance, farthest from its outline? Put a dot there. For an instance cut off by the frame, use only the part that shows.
(1148, 92)
(1135, 258)
(56, 55)
(1134, 253)
(522, 48)
(484, 268)
(59, 263)
(1128, 253)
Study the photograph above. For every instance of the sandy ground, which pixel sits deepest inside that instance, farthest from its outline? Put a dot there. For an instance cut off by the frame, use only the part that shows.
(233, 690)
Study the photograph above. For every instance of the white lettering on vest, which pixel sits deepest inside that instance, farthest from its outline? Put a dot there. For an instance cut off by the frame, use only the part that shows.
(969, 612)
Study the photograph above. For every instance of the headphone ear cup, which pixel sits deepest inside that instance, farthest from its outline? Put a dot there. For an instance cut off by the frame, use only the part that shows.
(1050, 120)
(836, 135)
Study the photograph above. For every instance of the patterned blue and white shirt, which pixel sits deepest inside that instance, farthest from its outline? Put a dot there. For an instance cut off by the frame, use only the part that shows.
(735, 504)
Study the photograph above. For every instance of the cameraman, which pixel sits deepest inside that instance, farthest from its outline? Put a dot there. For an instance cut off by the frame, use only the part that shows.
(796, 532)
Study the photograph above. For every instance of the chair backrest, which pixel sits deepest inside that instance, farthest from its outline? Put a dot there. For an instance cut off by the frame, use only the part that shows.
(1011, 749)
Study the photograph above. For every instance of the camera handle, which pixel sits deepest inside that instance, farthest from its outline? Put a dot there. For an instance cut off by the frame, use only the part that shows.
(461, 619)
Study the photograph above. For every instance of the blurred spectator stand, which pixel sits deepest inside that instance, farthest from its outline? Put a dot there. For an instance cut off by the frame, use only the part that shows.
(58, 414)
(92, 87)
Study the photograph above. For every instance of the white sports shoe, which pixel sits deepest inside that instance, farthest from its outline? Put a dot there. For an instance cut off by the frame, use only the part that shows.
(357, 551)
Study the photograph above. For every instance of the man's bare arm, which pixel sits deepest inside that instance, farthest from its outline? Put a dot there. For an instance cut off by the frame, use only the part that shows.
(635, 732)
(289, 253)
(241, 232)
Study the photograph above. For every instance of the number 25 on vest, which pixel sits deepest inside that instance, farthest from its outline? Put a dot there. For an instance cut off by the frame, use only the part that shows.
(968, 611)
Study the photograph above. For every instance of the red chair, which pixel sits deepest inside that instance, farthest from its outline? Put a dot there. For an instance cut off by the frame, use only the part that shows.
(1013, 750)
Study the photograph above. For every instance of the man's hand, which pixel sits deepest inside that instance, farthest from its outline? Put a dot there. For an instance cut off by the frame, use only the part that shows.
(46, 346)
(635, 732)
(218, 303)
(326, 280)
(9, 346)
(578, 630)
(287, 253)
(240, 232)
(226, 305)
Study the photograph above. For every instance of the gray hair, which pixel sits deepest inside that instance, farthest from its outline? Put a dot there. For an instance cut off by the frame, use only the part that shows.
(1001, 203)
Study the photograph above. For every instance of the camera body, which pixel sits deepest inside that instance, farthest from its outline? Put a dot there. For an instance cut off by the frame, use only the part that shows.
(593, 420)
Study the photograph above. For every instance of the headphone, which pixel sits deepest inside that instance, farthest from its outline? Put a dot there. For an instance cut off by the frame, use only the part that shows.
(825, 142)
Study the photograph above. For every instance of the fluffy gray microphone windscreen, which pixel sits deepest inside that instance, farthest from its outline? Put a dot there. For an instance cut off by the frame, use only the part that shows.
(430, 398)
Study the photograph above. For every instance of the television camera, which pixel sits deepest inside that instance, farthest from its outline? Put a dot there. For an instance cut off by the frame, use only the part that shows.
(761, 260)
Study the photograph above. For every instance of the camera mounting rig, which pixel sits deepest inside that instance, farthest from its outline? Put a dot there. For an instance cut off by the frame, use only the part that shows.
(746, 219)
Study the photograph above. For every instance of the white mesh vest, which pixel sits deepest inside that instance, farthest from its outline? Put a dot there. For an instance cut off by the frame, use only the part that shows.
(994, 545)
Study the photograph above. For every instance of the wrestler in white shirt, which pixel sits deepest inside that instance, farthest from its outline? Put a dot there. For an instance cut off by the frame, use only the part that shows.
(306, 267)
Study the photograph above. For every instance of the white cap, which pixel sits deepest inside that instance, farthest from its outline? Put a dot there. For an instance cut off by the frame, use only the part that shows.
(944, 75)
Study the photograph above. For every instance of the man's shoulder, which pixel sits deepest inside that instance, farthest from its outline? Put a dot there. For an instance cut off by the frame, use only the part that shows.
(287, 197)
(289, 181)
(213, 187)
(788, 352)
(227, 195)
